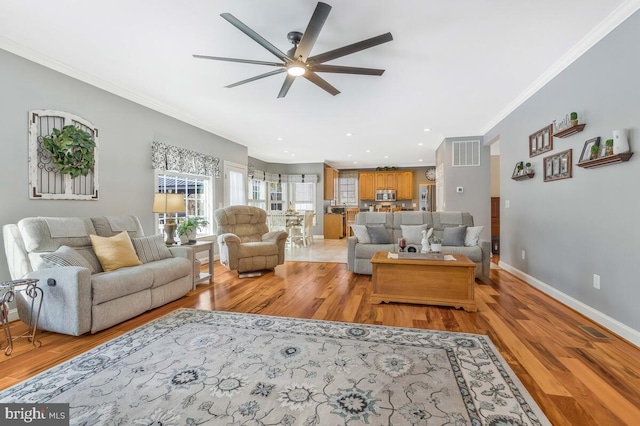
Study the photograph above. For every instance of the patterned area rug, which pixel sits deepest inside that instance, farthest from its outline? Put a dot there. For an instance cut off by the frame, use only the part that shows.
(196, 367)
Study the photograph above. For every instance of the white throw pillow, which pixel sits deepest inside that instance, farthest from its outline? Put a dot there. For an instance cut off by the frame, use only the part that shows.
(473, 235)
(413, 233)
(361, 233)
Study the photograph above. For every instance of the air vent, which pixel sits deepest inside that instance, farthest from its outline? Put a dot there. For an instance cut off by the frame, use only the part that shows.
(594, 332)
(466, 153)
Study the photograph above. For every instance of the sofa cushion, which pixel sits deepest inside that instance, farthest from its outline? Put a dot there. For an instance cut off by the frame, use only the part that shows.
(111, 285)
(361, 234)
(454, 236)
(66, 256)
(378, 234)
(472, 236)
(413, 233)
(47, 234)
(108, 226)
(366, 251)
(115, 252)
(258, 248)
(150, 249)
(168, 270)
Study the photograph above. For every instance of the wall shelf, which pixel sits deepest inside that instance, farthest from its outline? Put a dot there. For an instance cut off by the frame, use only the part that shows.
(569, 131)
(523, 177)
(605, 161)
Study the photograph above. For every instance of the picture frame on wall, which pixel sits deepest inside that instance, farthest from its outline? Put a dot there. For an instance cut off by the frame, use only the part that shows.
(586, 149)
(558, 166)
(541, 141)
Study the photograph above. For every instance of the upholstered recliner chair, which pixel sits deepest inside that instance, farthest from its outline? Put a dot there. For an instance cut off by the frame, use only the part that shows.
(245, 241)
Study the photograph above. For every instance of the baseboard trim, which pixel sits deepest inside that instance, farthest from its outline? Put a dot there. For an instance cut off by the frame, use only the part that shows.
(611, 324)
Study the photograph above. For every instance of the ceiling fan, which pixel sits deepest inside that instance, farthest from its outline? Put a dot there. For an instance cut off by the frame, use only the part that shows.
(297, 62)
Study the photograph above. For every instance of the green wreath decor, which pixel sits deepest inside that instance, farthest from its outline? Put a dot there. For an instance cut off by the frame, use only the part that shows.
(71, 150)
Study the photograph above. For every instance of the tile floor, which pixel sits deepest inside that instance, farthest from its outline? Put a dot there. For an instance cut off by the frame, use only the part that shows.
(321, 250)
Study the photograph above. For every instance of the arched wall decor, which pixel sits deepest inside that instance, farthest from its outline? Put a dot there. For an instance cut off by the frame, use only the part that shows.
(45, 182)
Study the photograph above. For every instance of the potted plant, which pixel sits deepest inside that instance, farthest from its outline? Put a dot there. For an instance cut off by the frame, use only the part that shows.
(595, 150)
(71, 149)
(520, 168)
(574, 118)
(188, 228)
(436, 244)
(609, 147)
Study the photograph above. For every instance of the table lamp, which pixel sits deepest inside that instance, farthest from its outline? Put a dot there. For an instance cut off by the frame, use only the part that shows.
(167, 203)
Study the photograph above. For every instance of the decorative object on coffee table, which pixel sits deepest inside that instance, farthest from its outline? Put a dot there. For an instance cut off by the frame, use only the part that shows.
(168, 204)
(435, 244)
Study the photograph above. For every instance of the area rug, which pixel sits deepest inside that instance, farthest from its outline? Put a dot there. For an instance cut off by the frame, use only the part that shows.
(195, 367)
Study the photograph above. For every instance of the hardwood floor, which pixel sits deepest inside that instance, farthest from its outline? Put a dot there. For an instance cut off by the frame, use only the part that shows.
(577, 379)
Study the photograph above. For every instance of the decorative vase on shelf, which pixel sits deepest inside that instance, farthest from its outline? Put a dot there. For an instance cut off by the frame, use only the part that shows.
(620, 141)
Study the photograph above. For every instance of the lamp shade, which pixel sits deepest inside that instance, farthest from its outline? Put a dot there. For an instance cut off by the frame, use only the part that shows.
(168, 203)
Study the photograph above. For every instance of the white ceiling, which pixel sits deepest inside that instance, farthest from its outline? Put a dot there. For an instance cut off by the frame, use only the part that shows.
(456, 66)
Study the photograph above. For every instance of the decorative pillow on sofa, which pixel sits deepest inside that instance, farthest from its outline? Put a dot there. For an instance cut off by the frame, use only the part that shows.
(454, 236)
(413, 233)
(115, 252)
(378, 234)
(150, 249)
(361, 233)
(473, 236)
(66, 256)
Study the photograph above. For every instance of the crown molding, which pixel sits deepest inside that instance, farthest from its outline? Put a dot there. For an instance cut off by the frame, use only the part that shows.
(615, 18)
(108, 86)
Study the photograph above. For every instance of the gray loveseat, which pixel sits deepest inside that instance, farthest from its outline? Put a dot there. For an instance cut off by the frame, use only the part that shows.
(359, 255)
(80, 299)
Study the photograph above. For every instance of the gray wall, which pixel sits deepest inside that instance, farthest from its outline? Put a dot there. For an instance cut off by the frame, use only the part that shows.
(574, 228)
(126, 132)
(475, 181)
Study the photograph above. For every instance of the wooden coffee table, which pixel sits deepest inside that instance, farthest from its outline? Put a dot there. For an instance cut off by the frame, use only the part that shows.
(429, 282)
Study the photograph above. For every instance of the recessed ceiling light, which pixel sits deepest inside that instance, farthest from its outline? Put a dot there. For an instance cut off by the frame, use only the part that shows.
(286, 150)
(427, 129)
(386, 156)
(420, 160)
(279, 139)
(348, 155)
(355, 162)
(349, 134)
(293, 155)
(368, 150)
(420, 143)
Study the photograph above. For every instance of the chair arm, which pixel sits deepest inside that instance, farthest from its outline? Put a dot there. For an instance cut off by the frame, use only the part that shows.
(275, 236)
(228, 238)
(351, 253)
(485, 246)
(229, 244)
(66, 306)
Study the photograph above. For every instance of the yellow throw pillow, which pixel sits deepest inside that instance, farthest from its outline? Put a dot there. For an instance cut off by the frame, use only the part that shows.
(115, 252)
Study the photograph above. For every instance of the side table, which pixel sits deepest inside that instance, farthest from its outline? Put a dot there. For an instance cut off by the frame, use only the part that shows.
(202, 277)
(8, 293)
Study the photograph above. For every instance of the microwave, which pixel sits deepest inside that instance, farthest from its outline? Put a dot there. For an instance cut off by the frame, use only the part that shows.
(385, 195)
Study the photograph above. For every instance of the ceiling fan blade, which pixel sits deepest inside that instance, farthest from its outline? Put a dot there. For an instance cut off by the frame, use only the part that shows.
(256, 37)
(286, 85)
(320, 82)
(244, 61)
(310, 35)
(346, 70)
(257, 77)
(352, 48)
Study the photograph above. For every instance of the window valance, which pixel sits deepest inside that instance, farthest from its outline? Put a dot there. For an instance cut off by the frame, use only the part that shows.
(181, 160)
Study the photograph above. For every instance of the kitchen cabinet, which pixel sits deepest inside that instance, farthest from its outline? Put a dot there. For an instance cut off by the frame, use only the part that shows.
(367, 185)
(330, 175)
(385, 180)
(404, 185)
(333, 226)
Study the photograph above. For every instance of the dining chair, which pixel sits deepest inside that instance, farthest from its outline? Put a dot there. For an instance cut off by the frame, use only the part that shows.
(307, 228)
(277, 221)
(350, 216)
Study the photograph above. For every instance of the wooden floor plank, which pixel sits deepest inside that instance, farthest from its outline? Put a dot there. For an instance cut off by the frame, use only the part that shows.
(574, 377)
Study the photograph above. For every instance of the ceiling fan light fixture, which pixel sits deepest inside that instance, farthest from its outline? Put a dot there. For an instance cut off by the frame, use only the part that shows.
(296, 69)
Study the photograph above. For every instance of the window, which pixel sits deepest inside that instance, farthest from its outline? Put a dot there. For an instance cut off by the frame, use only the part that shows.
(277, 196)
(304, 195)
(197, 192)
(258, 193)
(348, 188)
(235, 192)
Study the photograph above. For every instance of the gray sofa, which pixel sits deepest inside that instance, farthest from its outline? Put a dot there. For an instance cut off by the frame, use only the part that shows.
(359, 255)
(80, 299)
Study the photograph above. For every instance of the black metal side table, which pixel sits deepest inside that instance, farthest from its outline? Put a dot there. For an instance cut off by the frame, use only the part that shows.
(7, 294)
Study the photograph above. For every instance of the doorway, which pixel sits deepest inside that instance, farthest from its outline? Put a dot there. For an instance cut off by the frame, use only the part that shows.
(235, 184)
